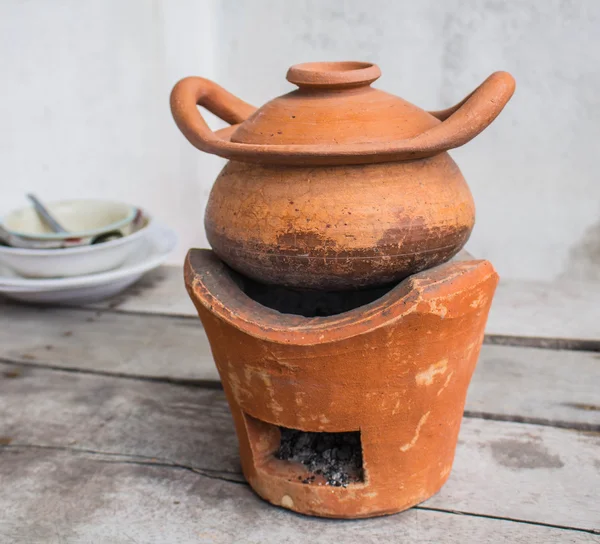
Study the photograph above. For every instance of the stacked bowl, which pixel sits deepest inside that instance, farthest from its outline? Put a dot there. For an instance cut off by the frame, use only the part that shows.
(105, 247)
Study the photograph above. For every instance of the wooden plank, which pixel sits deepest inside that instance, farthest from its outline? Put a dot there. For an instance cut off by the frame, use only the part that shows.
(508, 470)
(526, 384)
(537, 385)
(525, 472)
(76, 498)
(569, 310)
(161, 291)
(60, 497)
(151, 346)
(181, 424)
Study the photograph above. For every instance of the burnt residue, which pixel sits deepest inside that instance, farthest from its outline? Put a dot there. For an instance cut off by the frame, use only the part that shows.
(324, 268)
(312, 260)
(330, 458)
(298, 242)
(417, 237)
(517, 454)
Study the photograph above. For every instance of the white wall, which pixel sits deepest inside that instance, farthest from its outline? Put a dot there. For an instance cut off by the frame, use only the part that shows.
(86, 83)
(85, 104)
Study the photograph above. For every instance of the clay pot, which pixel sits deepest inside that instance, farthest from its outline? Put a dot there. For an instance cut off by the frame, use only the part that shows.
(336, 185)
(394, 372)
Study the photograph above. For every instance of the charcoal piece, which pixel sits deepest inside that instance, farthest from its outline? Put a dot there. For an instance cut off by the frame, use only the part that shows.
(335, 457)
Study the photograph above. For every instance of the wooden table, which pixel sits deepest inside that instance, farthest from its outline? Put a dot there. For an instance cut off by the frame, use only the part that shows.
(114, 429)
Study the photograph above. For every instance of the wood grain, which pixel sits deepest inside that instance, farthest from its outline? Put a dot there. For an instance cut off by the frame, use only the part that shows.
(153, 346)
(60, 497)
(521, 309)
(523, 384)
(516, 471)
(161, 291)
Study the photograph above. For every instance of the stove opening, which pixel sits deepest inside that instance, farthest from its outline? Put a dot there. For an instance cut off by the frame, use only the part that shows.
(307, 303)
(316, 458)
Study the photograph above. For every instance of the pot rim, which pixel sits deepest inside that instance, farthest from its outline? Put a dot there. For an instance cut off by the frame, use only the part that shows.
(211, 285)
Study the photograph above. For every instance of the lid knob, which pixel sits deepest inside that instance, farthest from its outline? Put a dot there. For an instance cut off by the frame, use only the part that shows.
(333, 75)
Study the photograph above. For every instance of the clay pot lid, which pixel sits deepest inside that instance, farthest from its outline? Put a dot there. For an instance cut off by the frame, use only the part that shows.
(334, 105)
(334, 117)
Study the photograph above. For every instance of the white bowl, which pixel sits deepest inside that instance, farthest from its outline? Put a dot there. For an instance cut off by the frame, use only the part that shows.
(73, 261)
(86, 220)
(86, 289)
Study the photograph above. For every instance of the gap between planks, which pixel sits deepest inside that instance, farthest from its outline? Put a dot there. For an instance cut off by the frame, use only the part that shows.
(560, 315)
(237, 479)
(510, 383)
(539, 312)
(212, 384)
(542, 342)
(145, 507)
(507, 470)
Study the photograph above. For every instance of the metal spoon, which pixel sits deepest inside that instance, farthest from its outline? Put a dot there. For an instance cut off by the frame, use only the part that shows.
(45, 215)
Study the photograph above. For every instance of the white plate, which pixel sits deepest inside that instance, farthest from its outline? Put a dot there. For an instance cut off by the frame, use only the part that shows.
(93, 287)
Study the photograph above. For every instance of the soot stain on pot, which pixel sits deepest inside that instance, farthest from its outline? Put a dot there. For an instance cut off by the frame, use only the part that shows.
(335, 458)
(446, 241)
(299, 240)
(517, 454)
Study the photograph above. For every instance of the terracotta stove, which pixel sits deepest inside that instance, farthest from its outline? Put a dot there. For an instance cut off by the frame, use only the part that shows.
(344, 329)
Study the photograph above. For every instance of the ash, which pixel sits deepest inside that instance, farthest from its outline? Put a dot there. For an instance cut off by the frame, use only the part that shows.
(334, 457)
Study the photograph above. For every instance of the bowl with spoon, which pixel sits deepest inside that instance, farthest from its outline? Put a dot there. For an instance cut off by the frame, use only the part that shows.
(68, 223)
(71, 237)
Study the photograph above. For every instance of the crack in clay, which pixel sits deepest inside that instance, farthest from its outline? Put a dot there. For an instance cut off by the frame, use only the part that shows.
(410, 444)
(445, 383)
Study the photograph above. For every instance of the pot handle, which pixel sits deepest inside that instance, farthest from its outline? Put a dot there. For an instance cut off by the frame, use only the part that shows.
(462, 122)
(191, 92)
